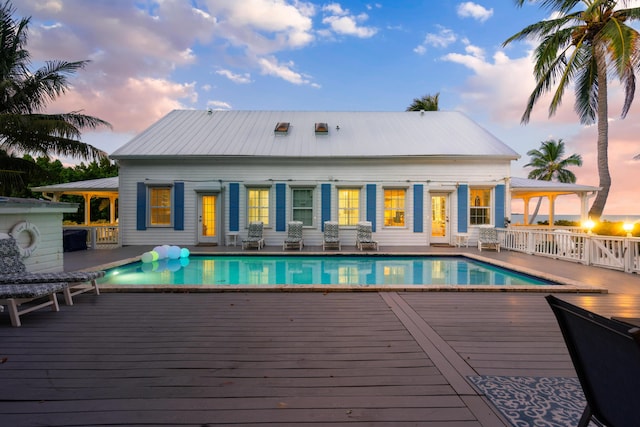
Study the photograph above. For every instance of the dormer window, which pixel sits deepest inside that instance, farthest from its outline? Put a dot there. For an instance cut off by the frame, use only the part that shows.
(282, 127)
(322, 127)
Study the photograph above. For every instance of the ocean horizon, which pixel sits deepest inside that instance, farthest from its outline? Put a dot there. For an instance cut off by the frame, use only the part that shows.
(518, 218)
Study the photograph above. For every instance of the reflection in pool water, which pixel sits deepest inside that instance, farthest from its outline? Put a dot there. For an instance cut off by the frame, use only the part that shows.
(318, 270)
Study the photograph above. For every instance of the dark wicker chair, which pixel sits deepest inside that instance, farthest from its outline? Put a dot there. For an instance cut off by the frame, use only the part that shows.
(606, 357)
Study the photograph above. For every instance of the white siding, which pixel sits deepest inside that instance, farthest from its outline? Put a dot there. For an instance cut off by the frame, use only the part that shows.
(437, 175)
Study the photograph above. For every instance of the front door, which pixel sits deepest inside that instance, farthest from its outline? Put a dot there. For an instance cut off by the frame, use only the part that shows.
(440, 218)
(208, 218)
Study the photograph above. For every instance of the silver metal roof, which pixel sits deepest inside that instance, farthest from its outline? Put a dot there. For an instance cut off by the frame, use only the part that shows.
(351, 134)
(101, 184)
(534, 185)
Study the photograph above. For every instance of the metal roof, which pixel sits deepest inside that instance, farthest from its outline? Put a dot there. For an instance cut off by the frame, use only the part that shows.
(101, 184)
(195, 133)
(525, 185)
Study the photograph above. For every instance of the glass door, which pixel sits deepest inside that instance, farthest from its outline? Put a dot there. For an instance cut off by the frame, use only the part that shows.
(207, 218)
(440, 218)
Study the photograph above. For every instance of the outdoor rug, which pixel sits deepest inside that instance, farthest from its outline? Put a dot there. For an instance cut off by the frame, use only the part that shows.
(534, 401)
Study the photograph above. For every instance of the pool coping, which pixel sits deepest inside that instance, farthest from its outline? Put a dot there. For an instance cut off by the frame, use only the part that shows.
(565, 285)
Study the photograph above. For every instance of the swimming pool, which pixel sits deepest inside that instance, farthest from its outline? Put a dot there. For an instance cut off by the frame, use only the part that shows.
(305, 270)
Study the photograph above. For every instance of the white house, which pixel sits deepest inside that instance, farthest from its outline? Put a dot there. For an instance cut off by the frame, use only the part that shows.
(197, 177)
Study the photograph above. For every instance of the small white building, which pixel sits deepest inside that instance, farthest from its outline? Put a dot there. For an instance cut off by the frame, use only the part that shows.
(197, 177)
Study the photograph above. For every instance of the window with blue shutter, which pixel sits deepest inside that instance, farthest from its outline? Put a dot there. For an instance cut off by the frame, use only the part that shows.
(463, 207)
(500, 208)
(371, 205)
(234, 206)
(418, 208)
(281, 207)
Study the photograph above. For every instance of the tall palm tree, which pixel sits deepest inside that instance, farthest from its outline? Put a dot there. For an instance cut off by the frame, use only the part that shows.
(426, 103)
(24, 94)
(583, 46)
(548, 165)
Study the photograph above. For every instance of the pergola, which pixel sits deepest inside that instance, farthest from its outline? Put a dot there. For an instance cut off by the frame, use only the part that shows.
(527, 189)
(103, 188)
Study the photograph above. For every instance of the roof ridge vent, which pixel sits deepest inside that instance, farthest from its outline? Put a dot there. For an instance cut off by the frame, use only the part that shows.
(282, 128)
(322, 127)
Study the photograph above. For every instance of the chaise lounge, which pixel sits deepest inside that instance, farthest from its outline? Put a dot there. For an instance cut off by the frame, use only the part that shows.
(254, 236)
(488, 238)
(13, 271)
(364, 236)
(331, 236)
(14, 296)
(294, 236)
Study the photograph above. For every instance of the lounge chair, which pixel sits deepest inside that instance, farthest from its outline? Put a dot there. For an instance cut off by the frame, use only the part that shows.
(254, 236)
(294, 236)
(14, 271)
(331, 236)
(13, 296)
(488, 238)
(606, 356)
(364, 237)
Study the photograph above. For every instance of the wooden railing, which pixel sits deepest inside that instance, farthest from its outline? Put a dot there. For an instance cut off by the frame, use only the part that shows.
(99, 236)
(618, 253)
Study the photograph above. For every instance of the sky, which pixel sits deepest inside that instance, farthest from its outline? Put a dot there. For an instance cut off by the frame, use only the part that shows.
(148, 57)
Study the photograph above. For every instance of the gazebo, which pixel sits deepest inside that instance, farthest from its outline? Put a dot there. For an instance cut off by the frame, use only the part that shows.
(527, 189)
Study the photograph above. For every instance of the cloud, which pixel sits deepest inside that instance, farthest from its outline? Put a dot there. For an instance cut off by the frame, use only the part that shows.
(270, 66)
(473, 10)
(442, 39)
(236, 78)
(343, 22)
(219, 105)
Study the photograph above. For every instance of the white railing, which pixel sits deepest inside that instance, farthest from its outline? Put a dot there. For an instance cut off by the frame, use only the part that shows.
(618, 253)
(99, 236)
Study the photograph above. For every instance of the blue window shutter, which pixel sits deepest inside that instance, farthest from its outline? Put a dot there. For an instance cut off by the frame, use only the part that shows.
(325, 213)
(371, 205)
(499, 218)
(418, 202)
(141, 206)
(463, 207)
(178, 210)
(234, 206)
(281, 207)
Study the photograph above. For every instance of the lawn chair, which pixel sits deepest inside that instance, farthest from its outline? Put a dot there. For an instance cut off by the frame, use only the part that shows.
(606, 356)
(488, 238)
(14, 296)
(364, 237)
(254, 236)
(294, 236)
(13, 271)
(331, 236)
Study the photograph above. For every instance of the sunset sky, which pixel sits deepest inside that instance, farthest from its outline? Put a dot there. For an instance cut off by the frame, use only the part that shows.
(149, 57)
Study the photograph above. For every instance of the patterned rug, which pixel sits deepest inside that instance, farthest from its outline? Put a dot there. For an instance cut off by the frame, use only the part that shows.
(534, 401)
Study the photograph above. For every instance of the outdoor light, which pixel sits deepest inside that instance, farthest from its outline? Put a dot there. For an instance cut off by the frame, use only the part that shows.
(588, 224)
(628, 227)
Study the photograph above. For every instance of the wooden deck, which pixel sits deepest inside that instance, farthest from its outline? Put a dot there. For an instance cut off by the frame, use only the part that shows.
(205, 359)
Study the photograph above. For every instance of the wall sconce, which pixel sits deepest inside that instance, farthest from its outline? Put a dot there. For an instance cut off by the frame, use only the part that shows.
(628, 227)
(588, 224)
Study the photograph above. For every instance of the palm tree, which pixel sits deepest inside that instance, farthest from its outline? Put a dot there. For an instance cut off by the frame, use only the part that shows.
(426, 103)
(24, 94)
(583, 47)
(548, 165)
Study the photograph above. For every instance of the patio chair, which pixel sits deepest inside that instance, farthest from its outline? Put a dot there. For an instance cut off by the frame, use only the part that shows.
(294, 236)
(14, 271)
(331, 236)
(14, 296)
(364, 237)
(488, 238)
(254, 236)
(606, 356)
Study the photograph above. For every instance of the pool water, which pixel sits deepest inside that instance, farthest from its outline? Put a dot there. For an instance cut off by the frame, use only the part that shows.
(229, 270)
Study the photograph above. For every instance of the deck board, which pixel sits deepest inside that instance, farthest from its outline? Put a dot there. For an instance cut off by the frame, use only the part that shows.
(279, 358)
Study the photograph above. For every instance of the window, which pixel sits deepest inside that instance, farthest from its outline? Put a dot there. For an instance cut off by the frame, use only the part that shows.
(282, 127)
(302, 205)
(258, 205)
(348, 206)
(160, 206)
(480, 206)
(322, 127)
(394, 201)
